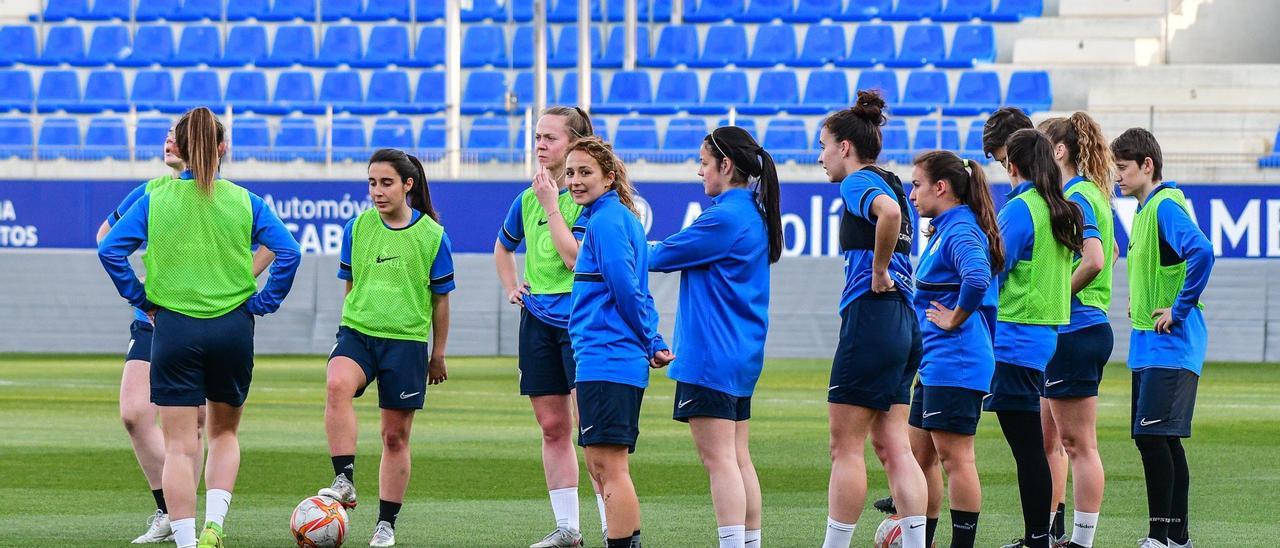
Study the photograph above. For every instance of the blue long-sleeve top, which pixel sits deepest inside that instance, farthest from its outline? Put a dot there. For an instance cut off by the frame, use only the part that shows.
(723, 314)
(1184, 348)
(441, 282)
(955, 271)
(1085, 316)
(1016, 343)
(859, 190)
(613, 325)
(550, 308)
(128, 201)
(130, 232)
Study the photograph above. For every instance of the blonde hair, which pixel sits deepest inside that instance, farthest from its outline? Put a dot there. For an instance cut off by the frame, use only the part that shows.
(199, 134)
(1086, 148)
(602, 153)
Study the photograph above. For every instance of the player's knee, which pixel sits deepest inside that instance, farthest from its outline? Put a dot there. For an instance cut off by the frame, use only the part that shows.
(339, 389)
(556, 430)
(1151, 444)
(136, 418)
(1075, 446)
(395, 439)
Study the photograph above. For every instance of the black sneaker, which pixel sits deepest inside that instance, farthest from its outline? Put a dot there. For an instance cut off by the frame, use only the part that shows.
(885, 505)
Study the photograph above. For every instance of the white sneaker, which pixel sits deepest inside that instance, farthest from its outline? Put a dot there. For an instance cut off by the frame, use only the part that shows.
(383, 535)
(158, 530)
(1151, 543)
(1173, 544)
(560, 538)
(342, 491)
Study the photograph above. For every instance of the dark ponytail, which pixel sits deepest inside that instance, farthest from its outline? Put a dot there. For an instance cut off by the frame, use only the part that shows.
(199, 135)
(969, 185)
(751, 161)
(860, 125)
(1032, 154)
(408, 167)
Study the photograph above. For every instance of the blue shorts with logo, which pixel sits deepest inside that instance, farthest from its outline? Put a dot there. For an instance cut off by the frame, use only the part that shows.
(609, 414)
(699, 401)
(399, 366)
(194, 359)
(878, 354)
(1014, 388)
(1163, 402)
(546, 358)
(1076, 368)
(946, 408)
(140, 334)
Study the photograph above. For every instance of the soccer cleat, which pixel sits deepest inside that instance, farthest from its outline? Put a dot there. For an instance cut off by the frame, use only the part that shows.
(211, 537)
(383, 535)
(1151, 543)
(1059, 542)
(342, 491)
(1017, 543)
(158, 530)
(1173, 544)
(559, 538)
(885, 505)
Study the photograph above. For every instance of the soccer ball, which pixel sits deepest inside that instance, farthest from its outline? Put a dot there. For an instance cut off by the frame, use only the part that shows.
(319, 522)
(889, 533)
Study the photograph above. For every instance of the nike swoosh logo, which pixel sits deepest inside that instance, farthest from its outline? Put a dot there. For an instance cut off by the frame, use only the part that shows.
(726, 536)
(684, 403)
(833, 388)
(1145, 422)
(1052, 383)
(916, 526)
(587, 429)
(542, 222)
(1033, 537)
(987, 396)
(404, 396)
(383, 260)
(927, 415)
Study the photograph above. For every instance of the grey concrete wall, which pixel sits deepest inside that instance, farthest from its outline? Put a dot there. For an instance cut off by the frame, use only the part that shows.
(62, 301)
(1229, 32)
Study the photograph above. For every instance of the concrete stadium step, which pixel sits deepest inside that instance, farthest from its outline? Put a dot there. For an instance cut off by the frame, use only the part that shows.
(1088, 51)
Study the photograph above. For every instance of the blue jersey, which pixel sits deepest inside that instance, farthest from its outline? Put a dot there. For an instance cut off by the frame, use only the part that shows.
(955, 271)
(441, 270)
(1184, 348)
(550, 308)
(723, 315)
(128, 201)
(613, 325)
(1085, 316)
(1016, 343)
(858, 190)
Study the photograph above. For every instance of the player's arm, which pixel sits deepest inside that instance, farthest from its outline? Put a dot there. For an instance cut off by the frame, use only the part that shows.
(102, 231)
(1017, 233)
(127, 235)
(270, 232)
(969, 255)
(504, 253)
(1182, 234)
(441, 285)
(1092, 259)
(548, 194)
(708, 239)
(888, 220)
(618, 268)
(262, 258)
(131, 198)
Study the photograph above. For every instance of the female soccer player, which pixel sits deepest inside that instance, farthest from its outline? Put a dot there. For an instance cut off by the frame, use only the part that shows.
(1070, 408)
(201, 296)
(723, 317)
(879, 348)
(544, 216)
(398, 265)
(1041, 230)
(613, 327)
(1169, 264)
(955, 303)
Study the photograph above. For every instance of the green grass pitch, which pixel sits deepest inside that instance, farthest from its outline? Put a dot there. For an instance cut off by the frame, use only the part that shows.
(68, 476)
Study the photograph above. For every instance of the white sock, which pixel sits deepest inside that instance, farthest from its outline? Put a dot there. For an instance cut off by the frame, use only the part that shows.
(732, 536)
(1083, 528)
(604, 522)
(913, 529)
(753, 538)
(838, 534)
(184, 532)
(216, 503)
(564, 503)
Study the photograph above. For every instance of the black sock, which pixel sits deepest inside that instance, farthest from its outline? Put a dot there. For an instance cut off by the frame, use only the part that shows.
(387, 511)
(158, 494)
(1059, 528)
(635, 539)
(1157, 465)
(1178, 531)
(345, 465)
(930, 527)
(1035, 485)
(626, 542)
(964, 528)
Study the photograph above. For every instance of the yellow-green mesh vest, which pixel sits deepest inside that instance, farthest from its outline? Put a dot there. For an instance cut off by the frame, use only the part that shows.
(1151, 285)
(1098, 293)
(1038, 291)
(391, 277)
(159, 182)
(544, 269)
(198, 258)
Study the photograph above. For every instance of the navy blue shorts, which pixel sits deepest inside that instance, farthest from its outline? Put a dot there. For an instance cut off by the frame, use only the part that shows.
(546, 358)
(1076, 368)
(1014, 388)
(1163, 402)
(195, 359)
(609, 414)
(699, 401)
(946, 408)
(139, 342)
(399, 366)
(878, 354)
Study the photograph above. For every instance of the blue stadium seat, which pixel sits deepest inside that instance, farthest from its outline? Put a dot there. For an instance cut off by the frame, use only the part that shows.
(483, 9)
(726, 45)
(678, 90)
(677, 45)
(241, 10)
(296, 140)
(384, 10)
(1029, 90)
(64, 44)
(822, 44)
(199, 10)
(428, 10)
(199, 88)
(430, 96)
(913, 10)
(484, 45)
(764, 11)
(433, 139)
(774, 45)
(873, 44)
(566, 11)
(683, 140)
(17, 44)
(886, 81)
(343, 90)
(485, 91)
(430, 49)
(825, 91)
(972, 150)
(59, 138)
(522, 46)
(348, 140)
(198, 46)
(388, 45)
(725, 89)
(392, 133)
(58, 90)
(566, 50)
(522, 10)
(337, 10)
(15, 138)
(615, 10)
(787, 140)
(776, 90)
(149, 137)
(103, 91)
(247, 92)
(922, 44)
(964, 10)
(616, 48)
(747, 124)
(152, 45)
(341, 46)
(296, 91)
(250, 139)
(972, 44)
(628, 90)
(293, 44)
(895, 143)
(812, 11)
(656, 10)
(865, 10)
(109, 44)
(56, 11)
(929, 132)
(977, 93)
(288, 10)
(569, 89)
(926, 91)
(155, 10)
(16, 91)
(710, 11)
(106, 138)
(524, 89)
(1012, 11)
(490, 140)
(108, 10)
(600, 127)
(636, 138)
(246, 45)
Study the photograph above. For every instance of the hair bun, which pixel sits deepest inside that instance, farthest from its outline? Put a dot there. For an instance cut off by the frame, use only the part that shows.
(870, 107)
